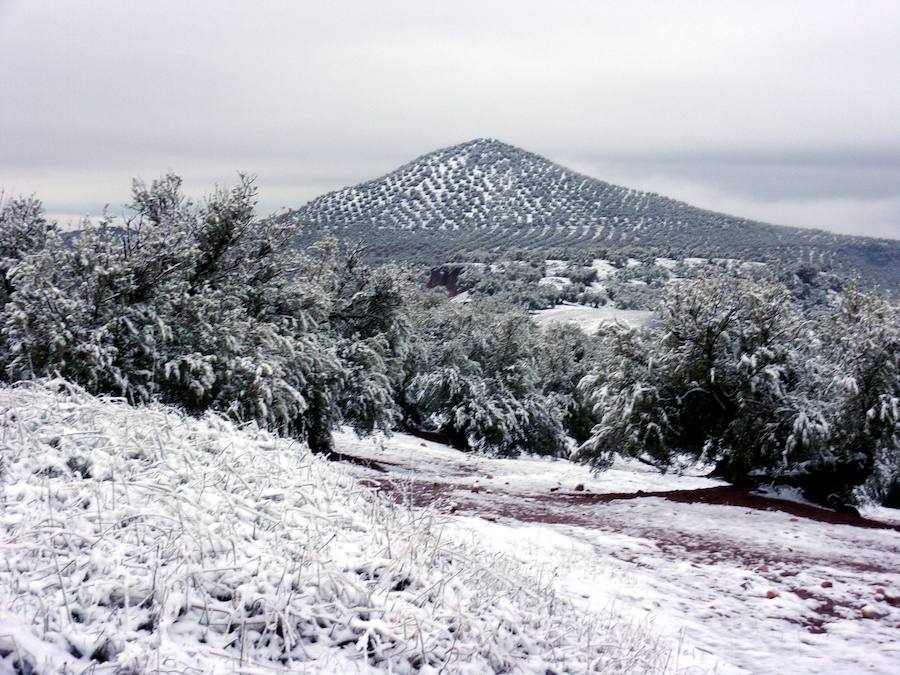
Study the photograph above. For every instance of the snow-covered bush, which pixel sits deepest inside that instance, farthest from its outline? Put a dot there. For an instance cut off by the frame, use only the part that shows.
(23, 230)
(733, 373)
(710, 379)
(476, 379)
(860, 360)
(565, 356)
(208, 307)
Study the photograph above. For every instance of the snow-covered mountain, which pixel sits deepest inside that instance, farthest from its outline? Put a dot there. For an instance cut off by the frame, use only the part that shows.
(486, 195)
(486, 183)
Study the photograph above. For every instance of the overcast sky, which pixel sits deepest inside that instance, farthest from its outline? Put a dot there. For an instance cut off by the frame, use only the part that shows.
(781, 111)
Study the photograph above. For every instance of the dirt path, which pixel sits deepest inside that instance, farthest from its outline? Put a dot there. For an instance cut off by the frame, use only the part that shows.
(787, 570)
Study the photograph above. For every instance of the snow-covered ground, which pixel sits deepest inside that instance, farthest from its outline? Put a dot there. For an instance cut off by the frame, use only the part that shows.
(590, 319)
(700, 573)
(157, 543)
(143, 541)
(604, 268)
(556, 282)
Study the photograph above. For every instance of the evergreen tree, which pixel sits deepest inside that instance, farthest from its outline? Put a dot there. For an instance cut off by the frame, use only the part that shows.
(734, 374)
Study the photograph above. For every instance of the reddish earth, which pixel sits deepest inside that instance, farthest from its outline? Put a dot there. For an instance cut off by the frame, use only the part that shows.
(726, 495)
(776, 563)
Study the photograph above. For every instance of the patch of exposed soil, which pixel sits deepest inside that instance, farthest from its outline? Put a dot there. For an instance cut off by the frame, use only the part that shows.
(735, 495)
(568, 508)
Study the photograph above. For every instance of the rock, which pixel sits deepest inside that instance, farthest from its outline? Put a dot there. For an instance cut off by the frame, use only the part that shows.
(827, 584)
(489, 476)
(892, 597)
(454, 507)
(771, 594)
(489, 517)
(870, 612)
(763, 568)
(579, 487)
(423, 445)
(554, 489)
(476, 488)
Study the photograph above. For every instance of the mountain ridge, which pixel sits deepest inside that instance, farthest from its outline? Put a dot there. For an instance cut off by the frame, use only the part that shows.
(488, 196)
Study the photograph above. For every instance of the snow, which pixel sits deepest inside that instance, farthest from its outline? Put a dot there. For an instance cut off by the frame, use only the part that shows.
(786, 493)
(555, 282)
(160, 542)
(556, 267)
(881, 513)
(590, 319)
(141, 540)
(461, 298)
(604, 268)
(410, 456)
(699, 574)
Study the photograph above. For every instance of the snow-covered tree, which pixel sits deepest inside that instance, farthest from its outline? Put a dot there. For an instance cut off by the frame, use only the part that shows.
(476, 380)
(206, 306)
(733, 373)
(23, 230)
(565, 357)
(711, 379)
(861, 358)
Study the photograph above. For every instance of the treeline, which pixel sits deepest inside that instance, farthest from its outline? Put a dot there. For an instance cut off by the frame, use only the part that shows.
(207, 307)
(734, 373)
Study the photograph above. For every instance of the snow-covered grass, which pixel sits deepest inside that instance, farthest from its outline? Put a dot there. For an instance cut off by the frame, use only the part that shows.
(141, 540)
(590, 319)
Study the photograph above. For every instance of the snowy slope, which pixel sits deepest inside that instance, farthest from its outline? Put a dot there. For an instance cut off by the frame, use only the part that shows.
(700, 573)
(488, 195)
(146, 541)
(140, 540)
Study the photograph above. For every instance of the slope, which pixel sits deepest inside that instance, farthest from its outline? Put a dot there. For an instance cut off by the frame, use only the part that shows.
(487, 196)
(140, 540)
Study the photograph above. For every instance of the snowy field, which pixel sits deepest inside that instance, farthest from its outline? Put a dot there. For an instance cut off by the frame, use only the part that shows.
(741, 590)
(138, 540)
(589, 319)
(141, 541)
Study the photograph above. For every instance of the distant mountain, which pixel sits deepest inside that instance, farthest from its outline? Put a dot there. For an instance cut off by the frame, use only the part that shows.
(486, 197)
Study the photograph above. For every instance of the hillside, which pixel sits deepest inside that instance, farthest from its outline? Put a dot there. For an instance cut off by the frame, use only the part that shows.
(139, 540)
(487, 196)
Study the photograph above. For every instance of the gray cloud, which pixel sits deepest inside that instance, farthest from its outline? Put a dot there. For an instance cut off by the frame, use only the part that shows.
(787, 112)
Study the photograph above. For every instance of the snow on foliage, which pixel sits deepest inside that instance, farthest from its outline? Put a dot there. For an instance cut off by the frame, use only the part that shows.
(734, 373)
(589, 319)
(205, 307)
(140, 539)
(478, 382)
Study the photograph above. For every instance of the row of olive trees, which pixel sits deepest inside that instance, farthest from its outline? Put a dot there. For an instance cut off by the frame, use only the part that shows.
(207, 307)
(734, 373)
